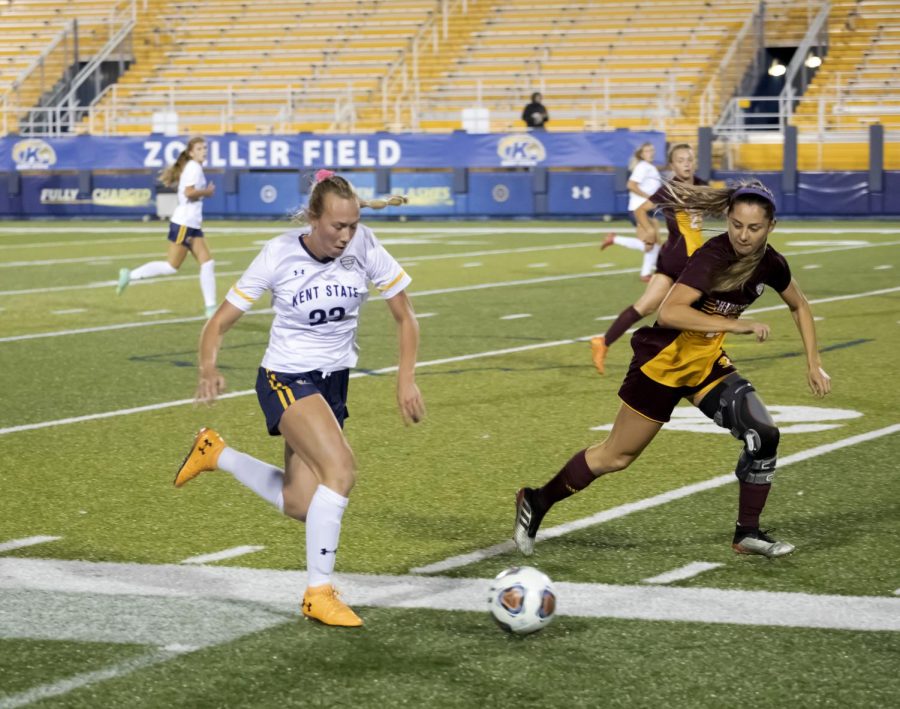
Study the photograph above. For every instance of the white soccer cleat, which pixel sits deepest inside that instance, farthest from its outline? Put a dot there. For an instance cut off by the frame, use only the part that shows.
(758, 542)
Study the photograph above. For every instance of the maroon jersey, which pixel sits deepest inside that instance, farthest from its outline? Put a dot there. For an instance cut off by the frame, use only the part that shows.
(685, 235)
(683, 358)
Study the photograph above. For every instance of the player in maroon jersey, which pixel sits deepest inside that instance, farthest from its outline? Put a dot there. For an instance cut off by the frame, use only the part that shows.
(684, 238)
(681, 356)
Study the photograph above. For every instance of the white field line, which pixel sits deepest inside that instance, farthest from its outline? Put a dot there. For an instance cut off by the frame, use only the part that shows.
(384, 370)
(26, 542)
(515, 316)
(413, 294)
(455, 562)
(157, 281)
(688, 571)
(222, 555)
(409, 260)
(280, 590)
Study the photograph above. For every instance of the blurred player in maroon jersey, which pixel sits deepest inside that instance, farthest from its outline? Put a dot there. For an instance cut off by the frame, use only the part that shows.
(681, 356)
(684, 238)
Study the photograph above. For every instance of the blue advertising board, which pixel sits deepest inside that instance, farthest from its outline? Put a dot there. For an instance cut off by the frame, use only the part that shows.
(581, 193)
(268, 193)
(310, 151)
(501, 193)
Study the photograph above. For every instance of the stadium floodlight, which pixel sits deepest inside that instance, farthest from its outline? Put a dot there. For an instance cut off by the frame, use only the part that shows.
(813, 61)
(777, 68)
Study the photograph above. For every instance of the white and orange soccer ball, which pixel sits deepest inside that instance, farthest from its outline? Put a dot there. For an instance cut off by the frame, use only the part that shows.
(522, 600)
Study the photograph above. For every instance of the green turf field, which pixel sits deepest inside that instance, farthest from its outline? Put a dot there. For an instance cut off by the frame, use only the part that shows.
(98, 606)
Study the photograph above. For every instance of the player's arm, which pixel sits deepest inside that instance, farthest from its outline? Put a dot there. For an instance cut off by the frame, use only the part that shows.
(819, 382)
(193, 194)
(409, 398)
(676, 312)
(647, 230)
(210, 381)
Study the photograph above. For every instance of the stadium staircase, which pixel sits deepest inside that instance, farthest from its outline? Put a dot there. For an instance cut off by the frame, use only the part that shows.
(37, 48)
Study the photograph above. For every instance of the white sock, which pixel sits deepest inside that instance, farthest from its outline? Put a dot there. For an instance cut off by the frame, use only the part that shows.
(649, 265)
(265, 480)
(208, 283)
(629, 242)
(151, 269)
(323, 529)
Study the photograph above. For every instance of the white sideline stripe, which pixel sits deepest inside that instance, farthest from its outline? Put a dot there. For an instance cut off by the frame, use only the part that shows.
(688, 571)
(455, 562)
(26, 542)
(222, 555)
(385, 370)
(279, 590)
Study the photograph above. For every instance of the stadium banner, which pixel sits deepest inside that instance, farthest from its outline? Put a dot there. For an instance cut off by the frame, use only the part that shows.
(501, 193)
(309, 150)
(429, 193)
(581, 193)
(267, 193)
(109, 195)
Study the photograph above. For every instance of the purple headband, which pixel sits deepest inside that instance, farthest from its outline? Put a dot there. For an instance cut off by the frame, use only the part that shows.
(758, 191)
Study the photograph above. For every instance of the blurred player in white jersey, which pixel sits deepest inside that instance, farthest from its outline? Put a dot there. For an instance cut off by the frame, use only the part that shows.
(185, 226)
(643, 181)
(318, 277)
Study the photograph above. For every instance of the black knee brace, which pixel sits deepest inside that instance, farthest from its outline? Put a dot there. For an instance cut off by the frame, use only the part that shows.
(736, 406)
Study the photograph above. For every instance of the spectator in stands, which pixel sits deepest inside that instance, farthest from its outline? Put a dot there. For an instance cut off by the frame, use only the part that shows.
(681, 357)
(643, 181)
(318, 277)
(185, 226)
(685, 237)
(534, 114)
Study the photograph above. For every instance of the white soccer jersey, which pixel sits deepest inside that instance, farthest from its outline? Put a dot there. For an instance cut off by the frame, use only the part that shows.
(316, 303)
(190, 213)
(648, 180)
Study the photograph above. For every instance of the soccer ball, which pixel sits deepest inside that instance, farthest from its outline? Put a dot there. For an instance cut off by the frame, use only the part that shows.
(522, 600)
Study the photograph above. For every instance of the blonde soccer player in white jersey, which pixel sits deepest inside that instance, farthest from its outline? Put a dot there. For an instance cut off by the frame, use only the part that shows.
(185, 226)
(318, 277)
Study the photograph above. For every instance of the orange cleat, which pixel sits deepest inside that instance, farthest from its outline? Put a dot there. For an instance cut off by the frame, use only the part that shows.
(203, 456)
(608, 241)
(598, 353)
(322, 603)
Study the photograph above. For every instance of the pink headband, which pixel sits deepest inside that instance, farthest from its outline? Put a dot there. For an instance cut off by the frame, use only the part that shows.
(323, 175)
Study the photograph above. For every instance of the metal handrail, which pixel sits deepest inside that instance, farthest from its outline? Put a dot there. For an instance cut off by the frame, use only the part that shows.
(709, 98)
(814, 37)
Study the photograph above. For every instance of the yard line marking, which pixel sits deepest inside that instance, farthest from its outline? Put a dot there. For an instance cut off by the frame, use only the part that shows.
(69, 311)
(154, 312)
(538, 265)
(280, 590)
(474, 264)
(515, 316)
(384, 370)
(419, 316)
(811, 266)
(413, 294)
(688, 571)
(184, 608)
(221, 555)
(26, 542)
(102, 260)
(157, 281)
(455, 562)
(883, 267)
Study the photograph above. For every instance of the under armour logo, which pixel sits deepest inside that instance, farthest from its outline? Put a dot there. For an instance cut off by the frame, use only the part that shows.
(203, 446)
(307, 606)
(581, 192)
(325, 551)
(301, 272)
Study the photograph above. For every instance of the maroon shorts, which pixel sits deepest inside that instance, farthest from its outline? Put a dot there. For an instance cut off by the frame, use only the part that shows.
(672, 259)
(657, 401)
